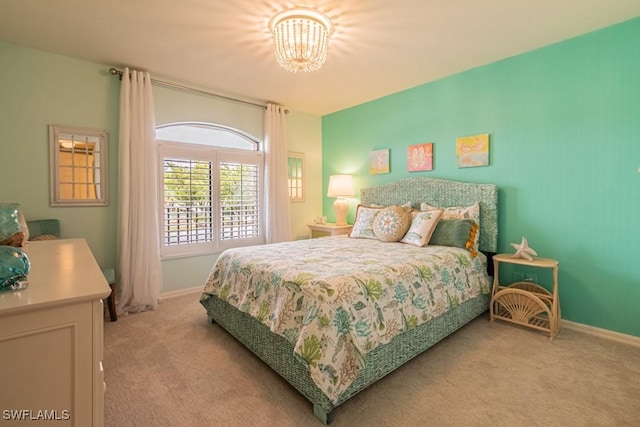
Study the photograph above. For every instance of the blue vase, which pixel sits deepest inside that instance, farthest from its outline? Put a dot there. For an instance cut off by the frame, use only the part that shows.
(14, 267)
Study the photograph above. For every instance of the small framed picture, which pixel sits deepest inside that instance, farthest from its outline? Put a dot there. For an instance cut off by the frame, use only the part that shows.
(420, 157)
(379, 161)
(473, 151)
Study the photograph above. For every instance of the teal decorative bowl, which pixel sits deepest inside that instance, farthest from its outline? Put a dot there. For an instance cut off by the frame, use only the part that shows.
(14, 267)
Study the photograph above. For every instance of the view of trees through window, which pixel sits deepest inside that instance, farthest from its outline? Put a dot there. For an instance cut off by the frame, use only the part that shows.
(210, 198)
(187, 201)
(239, 201)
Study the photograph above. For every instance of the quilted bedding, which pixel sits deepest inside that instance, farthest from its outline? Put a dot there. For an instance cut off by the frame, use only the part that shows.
(337, 298)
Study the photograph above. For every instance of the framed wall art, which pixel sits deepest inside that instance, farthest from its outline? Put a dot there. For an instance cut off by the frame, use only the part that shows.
(473, 151)
(379, 161)
(420, 157)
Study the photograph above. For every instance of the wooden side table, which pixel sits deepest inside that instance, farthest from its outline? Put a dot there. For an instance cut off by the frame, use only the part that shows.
(323, 230)
(526, 303)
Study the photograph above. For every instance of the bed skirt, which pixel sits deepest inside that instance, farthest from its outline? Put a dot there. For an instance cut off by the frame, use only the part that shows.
(278, 353)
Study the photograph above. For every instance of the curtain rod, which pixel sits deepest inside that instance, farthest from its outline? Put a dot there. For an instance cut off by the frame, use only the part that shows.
(115, 71)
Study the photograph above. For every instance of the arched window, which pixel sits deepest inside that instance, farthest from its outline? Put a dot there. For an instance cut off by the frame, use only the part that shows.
(211, 188)
(207, 134)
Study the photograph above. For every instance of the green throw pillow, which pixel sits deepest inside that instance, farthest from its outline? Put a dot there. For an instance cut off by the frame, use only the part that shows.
(452, 232)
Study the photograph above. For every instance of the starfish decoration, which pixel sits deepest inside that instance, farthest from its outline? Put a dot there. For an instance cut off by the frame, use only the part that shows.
(523, 250)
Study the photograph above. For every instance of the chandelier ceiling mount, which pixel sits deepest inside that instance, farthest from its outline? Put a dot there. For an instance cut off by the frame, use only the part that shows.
(301, 37)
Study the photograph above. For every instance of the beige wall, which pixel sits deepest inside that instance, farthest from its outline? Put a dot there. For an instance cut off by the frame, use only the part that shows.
(40, 88)
(304, 135)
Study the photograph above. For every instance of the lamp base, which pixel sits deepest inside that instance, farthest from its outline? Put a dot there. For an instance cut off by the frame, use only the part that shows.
(341, 208)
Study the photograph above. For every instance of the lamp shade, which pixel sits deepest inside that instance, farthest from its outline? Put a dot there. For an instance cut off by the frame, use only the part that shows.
(340, 186)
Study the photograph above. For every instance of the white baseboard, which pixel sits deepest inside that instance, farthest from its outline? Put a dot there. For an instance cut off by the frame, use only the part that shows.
(180, 292)
(602, 333)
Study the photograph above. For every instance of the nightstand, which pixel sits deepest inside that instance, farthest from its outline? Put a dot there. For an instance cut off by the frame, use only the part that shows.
(323, 230)
(526, 303)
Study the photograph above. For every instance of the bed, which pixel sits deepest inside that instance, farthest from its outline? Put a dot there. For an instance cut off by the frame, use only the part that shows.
(333, 315)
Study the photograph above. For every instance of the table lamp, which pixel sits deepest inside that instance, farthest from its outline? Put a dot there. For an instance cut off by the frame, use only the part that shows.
(341, 186)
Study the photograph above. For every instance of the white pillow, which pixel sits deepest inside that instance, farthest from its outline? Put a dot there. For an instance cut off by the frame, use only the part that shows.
(363, 224)
(422, 226)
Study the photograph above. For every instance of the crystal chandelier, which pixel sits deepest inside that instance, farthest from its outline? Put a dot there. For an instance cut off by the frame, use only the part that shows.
(301, 36)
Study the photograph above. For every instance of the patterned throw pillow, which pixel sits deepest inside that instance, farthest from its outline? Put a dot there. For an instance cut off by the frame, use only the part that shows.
(422, 226)
(391, 224)
(363, 224)
(460, 212)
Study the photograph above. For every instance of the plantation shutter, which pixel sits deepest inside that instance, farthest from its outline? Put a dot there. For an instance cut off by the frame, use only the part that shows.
(187, 201)
(239, 200)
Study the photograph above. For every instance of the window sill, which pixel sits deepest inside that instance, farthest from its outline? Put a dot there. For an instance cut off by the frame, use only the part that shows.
(188, 255)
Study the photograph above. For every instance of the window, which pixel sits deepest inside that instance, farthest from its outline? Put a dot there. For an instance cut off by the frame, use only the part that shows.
(211, 186)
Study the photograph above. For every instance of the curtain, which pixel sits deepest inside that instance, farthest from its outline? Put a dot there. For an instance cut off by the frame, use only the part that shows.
(139, 266)
(278, 218)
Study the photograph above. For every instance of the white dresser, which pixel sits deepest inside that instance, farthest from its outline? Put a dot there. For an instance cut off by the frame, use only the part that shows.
(51, 339)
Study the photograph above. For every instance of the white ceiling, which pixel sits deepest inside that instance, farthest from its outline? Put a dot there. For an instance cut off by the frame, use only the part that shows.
(379, 46)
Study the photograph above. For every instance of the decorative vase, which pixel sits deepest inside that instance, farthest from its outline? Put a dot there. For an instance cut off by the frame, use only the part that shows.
(14, 267)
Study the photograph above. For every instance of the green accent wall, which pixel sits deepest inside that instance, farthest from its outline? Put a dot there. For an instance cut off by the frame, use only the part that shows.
(564, 125)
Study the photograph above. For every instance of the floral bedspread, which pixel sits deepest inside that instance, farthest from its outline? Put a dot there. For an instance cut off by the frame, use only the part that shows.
(336, 298)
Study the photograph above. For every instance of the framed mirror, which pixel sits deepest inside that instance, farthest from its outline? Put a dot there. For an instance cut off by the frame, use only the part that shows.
(78, 166)
(295, 171)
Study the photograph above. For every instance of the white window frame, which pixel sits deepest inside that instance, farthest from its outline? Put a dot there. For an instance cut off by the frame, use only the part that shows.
(215, 155)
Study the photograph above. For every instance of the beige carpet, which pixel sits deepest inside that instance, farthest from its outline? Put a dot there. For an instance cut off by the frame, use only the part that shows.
(170, 367)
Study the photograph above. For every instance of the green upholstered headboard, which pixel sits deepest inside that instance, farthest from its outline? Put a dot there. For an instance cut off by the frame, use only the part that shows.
(442, 193)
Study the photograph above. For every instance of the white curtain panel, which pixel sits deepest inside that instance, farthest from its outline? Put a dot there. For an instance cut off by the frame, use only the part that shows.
(278, 217)
(140, 269)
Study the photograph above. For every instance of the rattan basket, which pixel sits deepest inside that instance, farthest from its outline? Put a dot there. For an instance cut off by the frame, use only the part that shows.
(524, 303)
